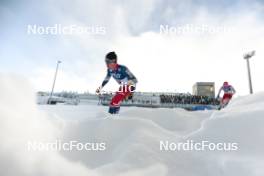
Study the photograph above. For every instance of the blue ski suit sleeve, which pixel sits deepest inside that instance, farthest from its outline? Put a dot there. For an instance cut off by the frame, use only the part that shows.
(130, 75)
(107, 78)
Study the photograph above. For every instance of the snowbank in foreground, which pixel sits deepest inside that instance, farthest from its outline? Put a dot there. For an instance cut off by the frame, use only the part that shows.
(20, 122)
(132, 138)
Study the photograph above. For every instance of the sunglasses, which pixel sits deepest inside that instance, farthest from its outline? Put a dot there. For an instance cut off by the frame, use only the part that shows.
(107, 61)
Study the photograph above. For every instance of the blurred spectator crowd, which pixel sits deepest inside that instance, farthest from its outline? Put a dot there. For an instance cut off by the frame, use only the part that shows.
(188, 99)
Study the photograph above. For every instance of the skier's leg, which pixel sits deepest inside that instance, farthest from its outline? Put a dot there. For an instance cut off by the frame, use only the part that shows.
(226, 99)
(117, 99)
(115, 103)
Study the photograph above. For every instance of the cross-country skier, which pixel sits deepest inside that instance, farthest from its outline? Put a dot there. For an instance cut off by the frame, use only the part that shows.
(229, 91)
(124, 78)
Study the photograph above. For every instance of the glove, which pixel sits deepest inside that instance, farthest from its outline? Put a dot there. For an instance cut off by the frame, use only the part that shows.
(132, 85)
(98, 90)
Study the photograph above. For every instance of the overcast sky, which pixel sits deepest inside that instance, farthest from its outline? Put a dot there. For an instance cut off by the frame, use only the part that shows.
(160, 61)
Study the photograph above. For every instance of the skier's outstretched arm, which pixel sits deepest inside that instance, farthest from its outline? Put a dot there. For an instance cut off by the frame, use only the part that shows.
(131, 76)
(218, 95)
(106, 80)
(233, 90)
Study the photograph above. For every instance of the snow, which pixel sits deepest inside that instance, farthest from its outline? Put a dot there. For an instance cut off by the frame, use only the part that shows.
(132, 138)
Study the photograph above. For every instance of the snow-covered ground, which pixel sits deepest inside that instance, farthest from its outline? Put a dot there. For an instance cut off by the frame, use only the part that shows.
(132, 139)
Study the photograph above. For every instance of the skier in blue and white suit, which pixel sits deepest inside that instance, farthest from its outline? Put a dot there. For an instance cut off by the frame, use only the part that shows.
(124, 78)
